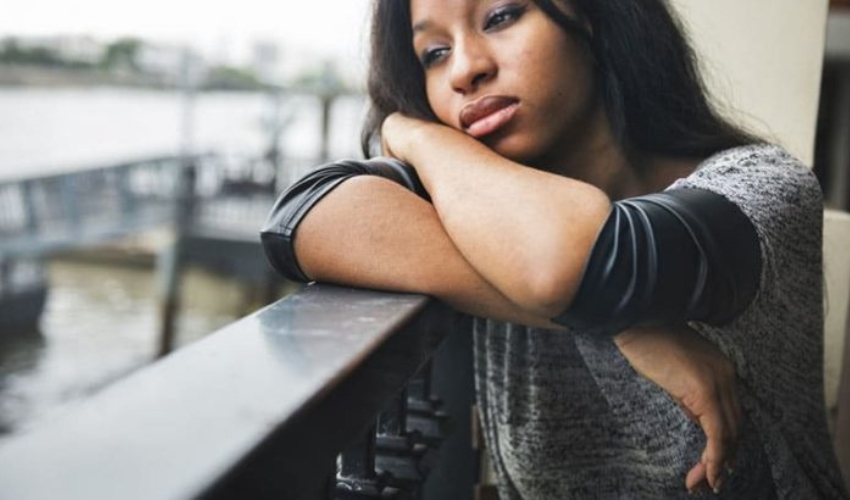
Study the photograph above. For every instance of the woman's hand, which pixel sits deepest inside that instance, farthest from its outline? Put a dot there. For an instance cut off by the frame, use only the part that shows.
(398, 131)
(525, 231)
(698, 377)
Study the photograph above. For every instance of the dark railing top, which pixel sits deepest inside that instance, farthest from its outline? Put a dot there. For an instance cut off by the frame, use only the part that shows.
(259, 408)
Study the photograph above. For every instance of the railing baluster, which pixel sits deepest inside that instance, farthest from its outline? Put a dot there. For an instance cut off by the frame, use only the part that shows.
(358, 461)
(392, 421)
(29, 207)
(126, 197)
(425, 418)
(69, 203)
(357, 478)
(397, 452)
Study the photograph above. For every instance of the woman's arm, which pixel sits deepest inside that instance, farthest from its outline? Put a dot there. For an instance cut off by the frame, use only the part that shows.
(371, 232)
(530, 234)
(559, 248)
(374, 232)
(702, 380)
(526, 231)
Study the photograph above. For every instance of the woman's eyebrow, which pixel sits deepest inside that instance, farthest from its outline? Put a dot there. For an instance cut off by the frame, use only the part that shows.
(421, 26)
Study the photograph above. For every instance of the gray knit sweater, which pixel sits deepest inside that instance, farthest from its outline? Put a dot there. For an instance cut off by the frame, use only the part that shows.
(566, 416)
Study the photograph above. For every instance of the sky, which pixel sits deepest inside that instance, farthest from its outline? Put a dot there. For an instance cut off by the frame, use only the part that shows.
(224, 30)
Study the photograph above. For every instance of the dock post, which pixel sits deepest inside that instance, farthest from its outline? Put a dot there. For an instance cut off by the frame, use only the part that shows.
(169, 292)
(327, 100)
(169, 261)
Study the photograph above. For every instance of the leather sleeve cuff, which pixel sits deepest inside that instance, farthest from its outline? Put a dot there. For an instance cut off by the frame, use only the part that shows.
(278, 232)
(680, 255)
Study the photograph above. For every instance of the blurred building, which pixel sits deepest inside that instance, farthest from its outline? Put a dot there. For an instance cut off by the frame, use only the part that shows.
(266, 62)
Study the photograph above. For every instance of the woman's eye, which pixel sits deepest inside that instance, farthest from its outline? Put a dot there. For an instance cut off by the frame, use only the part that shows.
(431, 57)
(503, 16)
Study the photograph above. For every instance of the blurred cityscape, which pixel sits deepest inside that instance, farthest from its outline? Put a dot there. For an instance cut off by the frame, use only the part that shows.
(68, 60)
(78, 110)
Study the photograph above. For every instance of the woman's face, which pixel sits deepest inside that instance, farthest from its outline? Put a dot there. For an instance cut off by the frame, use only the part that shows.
(506, 74)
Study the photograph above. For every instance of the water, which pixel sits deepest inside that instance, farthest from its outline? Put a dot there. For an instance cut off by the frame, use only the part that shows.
(101, 321)
(55, 130)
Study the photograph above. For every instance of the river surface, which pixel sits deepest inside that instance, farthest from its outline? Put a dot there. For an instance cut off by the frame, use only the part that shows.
(99, 324)
(54, 130)
(101, 320)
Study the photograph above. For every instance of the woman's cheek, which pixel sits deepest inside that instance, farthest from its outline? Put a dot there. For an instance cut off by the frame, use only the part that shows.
(440, 105)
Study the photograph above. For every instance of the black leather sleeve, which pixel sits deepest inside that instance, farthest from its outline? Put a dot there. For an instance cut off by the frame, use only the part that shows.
(680, 255)
(278, 233)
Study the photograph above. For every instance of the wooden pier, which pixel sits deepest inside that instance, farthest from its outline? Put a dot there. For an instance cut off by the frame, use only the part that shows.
(212, 206)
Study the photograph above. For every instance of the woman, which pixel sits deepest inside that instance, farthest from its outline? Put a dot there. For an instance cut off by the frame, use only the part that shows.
(522, 135)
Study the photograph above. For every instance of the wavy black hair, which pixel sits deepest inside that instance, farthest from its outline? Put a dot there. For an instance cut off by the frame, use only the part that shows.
(646, 76)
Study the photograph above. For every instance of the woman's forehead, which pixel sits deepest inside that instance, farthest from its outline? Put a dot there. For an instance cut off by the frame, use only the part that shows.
(425, 12)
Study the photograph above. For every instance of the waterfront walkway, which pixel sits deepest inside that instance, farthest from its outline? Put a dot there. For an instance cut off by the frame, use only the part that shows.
(211, 208)
(202, 194)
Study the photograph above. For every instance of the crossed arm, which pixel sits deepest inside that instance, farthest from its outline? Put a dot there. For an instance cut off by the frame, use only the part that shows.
(494, 241)
(503, 241)
(371, 232)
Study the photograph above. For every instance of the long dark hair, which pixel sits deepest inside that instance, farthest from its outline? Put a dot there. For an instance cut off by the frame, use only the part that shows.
(646, 76)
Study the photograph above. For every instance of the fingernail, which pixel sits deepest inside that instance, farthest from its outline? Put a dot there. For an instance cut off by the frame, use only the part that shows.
(717, 485)
(699, 490)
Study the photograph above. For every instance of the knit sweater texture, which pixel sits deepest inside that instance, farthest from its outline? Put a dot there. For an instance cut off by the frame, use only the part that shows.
(566, 416)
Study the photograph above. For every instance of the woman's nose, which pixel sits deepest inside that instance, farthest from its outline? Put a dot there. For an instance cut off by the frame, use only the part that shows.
(472, 65)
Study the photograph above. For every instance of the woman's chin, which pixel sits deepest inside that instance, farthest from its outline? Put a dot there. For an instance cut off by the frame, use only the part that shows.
(513, 148)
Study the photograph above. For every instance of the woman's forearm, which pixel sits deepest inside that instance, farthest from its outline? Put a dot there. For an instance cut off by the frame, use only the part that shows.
(373, 233)
(526, 231)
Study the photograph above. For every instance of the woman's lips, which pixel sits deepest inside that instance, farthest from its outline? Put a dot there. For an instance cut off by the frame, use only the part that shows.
(487, 115)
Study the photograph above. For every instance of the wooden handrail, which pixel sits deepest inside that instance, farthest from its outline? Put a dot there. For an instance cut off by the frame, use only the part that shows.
(258, 409)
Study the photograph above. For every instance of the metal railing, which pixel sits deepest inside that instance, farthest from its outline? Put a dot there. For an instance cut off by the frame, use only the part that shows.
(48, 214)
(307, 398)
(52, 213)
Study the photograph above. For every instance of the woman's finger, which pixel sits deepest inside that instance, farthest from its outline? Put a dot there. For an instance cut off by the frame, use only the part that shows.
(717, 444)
(695, 477)
(702, 381)
(737, 410)
(732, 413)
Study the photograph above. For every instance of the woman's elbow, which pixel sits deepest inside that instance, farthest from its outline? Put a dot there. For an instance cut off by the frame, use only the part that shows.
(547, 294)
(552, 280)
